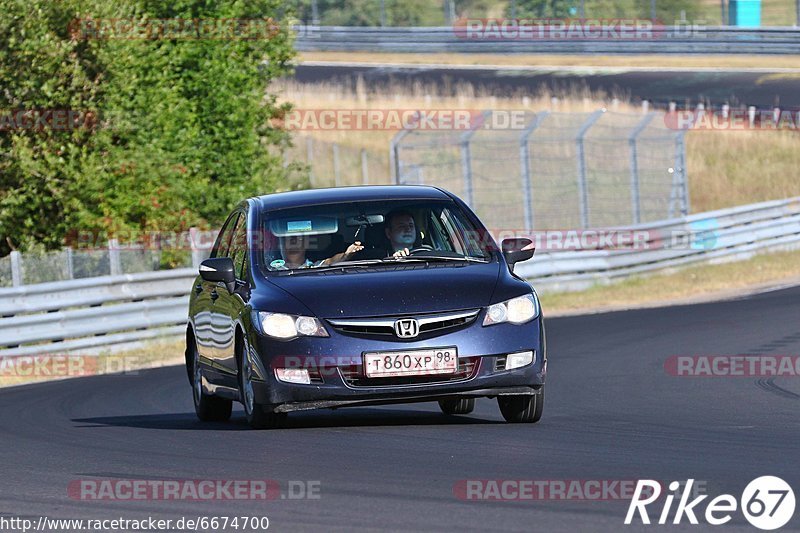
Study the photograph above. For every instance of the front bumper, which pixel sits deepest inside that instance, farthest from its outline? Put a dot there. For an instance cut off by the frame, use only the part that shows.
(483, 346)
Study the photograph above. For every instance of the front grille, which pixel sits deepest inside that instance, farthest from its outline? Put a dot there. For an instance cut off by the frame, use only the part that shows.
(500, 363)
(384, 326)
(354, 375)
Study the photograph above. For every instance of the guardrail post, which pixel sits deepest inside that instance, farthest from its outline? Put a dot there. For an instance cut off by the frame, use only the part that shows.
(364, 168)
(636, 204)
(114, 262)
(70, 263)
(583, 187)
(525, 168)
(16, 268)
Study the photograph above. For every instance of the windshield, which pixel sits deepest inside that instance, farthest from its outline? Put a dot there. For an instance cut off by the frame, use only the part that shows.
(370, 233)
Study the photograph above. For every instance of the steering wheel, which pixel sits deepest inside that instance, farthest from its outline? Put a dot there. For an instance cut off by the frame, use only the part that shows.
(420, 248)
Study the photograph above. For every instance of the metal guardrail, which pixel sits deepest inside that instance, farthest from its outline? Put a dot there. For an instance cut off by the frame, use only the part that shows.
(727, 234)
(92, 313)
(666, 40)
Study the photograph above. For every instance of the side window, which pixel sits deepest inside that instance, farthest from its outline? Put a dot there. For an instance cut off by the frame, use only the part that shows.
(239, 247)
(223, 243)
(453, 234)
(439, 236)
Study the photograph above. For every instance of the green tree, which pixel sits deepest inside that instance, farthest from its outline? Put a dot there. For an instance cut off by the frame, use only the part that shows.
(183, 128)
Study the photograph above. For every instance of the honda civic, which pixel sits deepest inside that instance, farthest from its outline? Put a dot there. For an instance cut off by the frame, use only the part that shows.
(358, 296)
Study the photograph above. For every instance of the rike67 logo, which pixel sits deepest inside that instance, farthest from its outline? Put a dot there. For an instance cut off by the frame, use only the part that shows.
(767, 503)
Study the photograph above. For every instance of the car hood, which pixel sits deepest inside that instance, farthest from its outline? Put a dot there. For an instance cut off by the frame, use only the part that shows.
(406, 290)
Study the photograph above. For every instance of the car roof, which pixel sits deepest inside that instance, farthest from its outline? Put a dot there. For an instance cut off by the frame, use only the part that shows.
(283, 200)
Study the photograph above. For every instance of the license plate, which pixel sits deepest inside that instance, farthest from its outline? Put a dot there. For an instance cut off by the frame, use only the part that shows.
(411, 363)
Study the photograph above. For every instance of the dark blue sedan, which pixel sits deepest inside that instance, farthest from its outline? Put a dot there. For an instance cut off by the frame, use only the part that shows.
(362, 296)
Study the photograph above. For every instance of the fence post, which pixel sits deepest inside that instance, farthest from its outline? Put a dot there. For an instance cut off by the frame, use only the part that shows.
(583, 188)
(114, 263)
(394, 156)
(466, 157)
(16, 269)
(680, 184)
(466, 170)
(335, 148)
(310, 159)
(636, 204)
(70, 263)
(364, 167)
(684, 180)
(196, 252)
(525, 166)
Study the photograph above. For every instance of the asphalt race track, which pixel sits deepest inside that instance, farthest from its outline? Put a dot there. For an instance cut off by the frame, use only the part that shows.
(612, 413)
(762, 88)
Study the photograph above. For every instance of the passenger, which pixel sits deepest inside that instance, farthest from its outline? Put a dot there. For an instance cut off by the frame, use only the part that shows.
(293, 251)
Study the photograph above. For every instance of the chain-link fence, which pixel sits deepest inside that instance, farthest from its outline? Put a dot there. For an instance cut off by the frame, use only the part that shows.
(332, 164)
(29, 268)
(561, 170)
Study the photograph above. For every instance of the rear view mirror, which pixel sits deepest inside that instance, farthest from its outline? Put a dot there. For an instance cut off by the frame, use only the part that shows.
(516, 250)
(369, 220)
(219, 269)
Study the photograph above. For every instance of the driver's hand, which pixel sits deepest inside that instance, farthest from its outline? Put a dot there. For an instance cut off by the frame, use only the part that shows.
(353, 248)
(401, 253)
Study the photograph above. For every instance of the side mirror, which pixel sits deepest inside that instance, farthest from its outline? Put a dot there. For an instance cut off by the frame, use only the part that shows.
(516, 250)
(219, 269)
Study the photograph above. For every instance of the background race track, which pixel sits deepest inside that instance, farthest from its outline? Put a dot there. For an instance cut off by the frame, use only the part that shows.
(612, 412)
(761, 87)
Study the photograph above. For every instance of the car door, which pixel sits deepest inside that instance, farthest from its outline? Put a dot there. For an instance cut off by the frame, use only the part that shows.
(206, 296)
(229, 305)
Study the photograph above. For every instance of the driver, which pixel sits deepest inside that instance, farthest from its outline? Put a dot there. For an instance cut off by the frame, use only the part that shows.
(401, 232)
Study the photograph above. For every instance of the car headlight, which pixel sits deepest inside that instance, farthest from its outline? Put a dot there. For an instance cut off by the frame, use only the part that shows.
(283, 326)
(516, 311)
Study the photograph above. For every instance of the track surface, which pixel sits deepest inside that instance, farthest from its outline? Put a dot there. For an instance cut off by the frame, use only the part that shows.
(760, 89)
(611, 413)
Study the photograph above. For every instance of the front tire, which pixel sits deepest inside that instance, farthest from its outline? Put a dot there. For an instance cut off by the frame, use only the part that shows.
(208, 408)
(258, 416)
(459, 406)
(522, 408)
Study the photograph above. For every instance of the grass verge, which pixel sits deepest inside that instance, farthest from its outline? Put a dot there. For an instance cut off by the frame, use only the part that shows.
(688, 285)
(50, 367)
